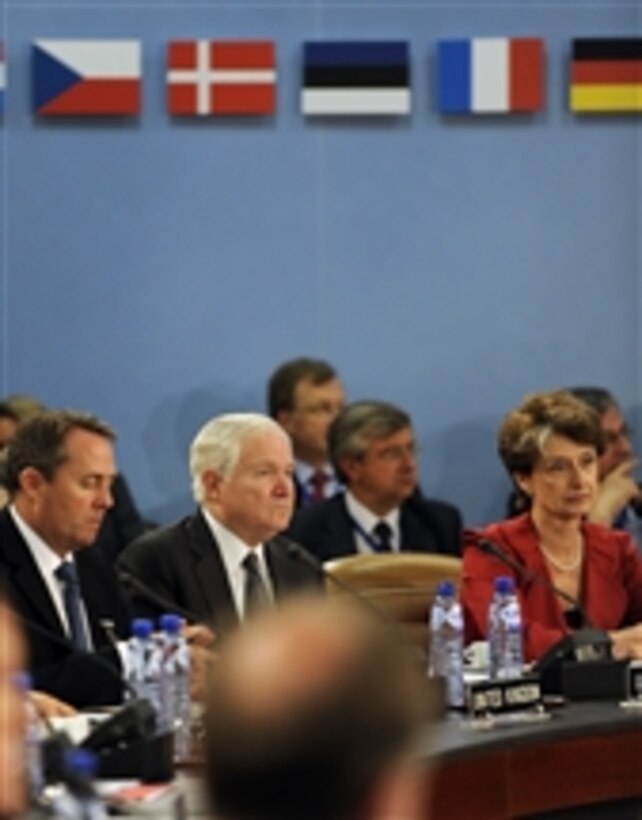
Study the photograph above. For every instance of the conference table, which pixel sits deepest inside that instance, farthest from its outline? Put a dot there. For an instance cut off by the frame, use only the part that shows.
(583, 762)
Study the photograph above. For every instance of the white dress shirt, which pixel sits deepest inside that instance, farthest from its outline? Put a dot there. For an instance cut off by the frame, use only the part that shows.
(48, 562)
(368, 521)
(304, 473)
(233, 552)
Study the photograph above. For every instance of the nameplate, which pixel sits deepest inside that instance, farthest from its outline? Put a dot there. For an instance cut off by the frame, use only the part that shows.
(496, 697)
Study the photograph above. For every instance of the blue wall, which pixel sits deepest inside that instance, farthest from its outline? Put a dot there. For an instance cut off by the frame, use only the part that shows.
(156, 271)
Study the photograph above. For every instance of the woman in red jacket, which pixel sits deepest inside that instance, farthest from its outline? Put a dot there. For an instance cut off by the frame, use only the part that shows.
(550, 446)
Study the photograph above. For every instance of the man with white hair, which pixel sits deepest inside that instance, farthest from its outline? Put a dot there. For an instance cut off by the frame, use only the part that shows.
(227, 559)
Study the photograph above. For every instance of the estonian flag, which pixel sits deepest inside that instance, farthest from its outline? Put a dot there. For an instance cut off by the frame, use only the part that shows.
(491, 75)
(606, 75)
(86, 77)
(356, 78)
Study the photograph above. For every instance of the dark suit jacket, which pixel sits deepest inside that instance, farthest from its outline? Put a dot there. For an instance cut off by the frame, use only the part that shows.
(183, 563)
(78, 678)
(326, 530)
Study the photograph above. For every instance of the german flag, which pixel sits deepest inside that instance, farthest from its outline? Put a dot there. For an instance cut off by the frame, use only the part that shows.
(606, 75)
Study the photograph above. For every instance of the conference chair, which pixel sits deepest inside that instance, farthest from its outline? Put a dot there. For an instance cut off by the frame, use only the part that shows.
(401, 584)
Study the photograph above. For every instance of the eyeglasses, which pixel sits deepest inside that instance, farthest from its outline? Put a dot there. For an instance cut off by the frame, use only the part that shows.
(398, 452)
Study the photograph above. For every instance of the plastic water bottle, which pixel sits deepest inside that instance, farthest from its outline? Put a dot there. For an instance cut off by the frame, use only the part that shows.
(505, 631)
(144, 667)
(175, 683)
(33, 759)
(446, 657)
(75, 798)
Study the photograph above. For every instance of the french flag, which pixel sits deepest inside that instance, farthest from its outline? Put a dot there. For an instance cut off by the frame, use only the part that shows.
(491, 75)
(86, 77)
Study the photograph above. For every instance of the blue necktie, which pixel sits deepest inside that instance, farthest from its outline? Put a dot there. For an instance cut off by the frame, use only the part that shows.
(382, 537)
(68, 578)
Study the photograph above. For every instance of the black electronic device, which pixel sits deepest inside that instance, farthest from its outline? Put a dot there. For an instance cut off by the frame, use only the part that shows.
(580, 667)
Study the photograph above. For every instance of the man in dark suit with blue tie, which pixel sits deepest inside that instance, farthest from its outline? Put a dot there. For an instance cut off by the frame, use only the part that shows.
(373, 450)
(59, 470)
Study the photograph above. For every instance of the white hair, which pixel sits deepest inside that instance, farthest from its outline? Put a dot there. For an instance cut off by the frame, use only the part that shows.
(217, 445)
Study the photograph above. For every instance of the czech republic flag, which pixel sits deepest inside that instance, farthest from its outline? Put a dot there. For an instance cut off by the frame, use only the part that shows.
(86, 77)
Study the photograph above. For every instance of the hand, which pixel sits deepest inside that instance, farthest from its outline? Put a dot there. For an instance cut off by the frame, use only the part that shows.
(201, 661)
(616, 491)
(199, 635)
(627, 643)
(48, 706)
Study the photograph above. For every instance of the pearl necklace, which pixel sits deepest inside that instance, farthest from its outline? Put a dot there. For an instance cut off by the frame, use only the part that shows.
(572, 565)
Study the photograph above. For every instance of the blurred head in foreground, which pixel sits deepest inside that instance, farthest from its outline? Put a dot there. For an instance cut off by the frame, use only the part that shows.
(312, 714)
(12, 661)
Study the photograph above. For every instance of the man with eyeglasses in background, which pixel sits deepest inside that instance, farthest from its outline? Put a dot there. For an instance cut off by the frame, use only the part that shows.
(304, 396)
(619, 500)
(373, 450)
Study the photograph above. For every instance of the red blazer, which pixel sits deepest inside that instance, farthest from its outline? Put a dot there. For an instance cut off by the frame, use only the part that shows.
(611, 592)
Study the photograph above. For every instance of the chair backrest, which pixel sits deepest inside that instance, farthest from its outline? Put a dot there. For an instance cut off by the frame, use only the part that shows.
(401, 584)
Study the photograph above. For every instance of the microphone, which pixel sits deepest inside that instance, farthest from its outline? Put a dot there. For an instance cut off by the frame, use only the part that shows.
(491, 548)
(134, 585)
(127, 742)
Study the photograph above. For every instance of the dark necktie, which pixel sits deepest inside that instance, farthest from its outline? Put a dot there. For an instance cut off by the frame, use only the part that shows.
(256, 594)
(317, 482)
(68, 578)
(383, 536)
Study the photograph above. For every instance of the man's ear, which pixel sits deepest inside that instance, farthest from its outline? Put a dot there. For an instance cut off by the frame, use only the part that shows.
(211, 481)
(349, 467)
(31, 481)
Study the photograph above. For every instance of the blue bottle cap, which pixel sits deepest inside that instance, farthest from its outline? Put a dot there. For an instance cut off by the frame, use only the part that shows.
(142, 627)
(81, 760)
(170, 623)
(446, 589)
(505, 585)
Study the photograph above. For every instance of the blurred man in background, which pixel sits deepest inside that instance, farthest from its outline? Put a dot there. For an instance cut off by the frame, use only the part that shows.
(312, 713)
(304, 396)
(618, 499)
(13, 790)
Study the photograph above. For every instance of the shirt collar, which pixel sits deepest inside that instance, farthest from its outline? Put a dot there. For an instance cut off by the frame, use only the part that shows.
(367, 519)
(305, 471)
(233, 549)
(47, 560)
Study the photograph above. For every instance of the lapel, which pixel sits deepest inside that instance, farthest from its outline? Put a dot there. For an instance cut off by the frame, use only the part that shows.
(604, 588)
(339, 535)
(25, 579)
(416, 533)
(95, 596)
(210, 577)
(284, 570)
